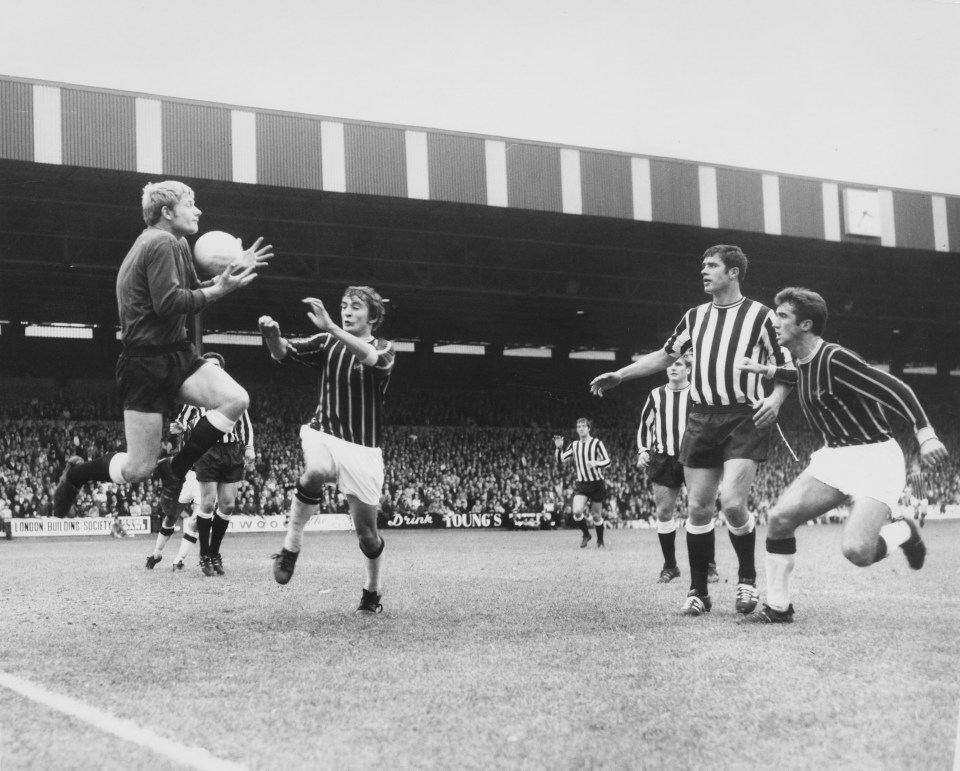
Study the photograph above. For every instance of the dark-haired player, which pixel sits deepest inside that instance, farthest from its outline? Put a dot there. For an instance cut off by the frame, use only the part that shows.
(662, 422)
(847, 401)
(731, 418)
(218, 474)
(589, 458)
(341, 445)
(157, 290)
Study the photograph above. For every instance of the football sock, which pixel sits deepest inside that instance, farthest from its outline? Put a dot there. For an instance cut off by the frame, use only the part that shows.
(667, 534)
(781, 554)
(600, 529)
(744, 540)
(186, 546)
(162, 537)
(219, 529)
(304, 506)
(374, 562)
(583, 526)
(201, 438)
(96, 470)
(204, 524)
(701, 547)
(892, 535)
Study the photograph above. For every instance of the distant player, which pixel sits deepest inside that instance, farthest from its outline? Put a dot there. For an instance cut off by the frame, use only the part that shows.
(847, 402)
(729, 429)
(218, 473)
(157, 291)
(589, 458)
(662, 422)
(341, 445)
(918, 493)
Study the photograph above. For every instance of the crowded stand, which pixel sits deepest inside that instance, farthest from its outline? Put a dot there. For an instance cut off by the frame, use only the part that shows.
(446, 451)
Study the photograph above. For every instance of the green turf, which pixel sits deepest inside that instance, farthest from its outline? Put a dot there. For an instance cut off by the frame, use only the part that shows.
(495, 650)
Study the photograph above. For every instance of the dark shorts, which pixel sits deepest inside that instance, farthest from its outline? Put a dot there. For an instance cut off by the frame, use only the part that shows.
(665, 470)
(595, 491)
(149, 378)
(716, 435)
(222, 463)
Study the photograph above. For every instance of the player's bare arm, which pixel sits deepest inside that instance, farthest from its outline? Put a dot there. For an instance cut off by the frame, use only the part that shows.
(320, 318)
(650, 364)
(276, 344)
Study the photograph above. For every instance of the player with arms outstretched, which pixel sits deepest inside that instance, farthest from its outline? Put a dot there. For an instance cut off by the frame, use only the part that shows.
(341, 445)
(589, 458)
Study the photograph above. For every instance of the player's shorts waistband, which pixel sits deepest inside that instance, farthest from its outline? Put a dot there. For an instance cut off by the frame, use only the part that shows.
(137, 351)
(721, 409)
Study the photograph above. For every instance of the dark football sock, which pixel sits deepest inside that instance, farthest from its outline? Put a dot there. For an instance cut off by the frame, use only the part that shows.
(700, 550)
(96, 470)
(203, 436)
(204, 525)
(600, 529)
(217, 531)
(583, 527)
(744, 546)
(668, 545)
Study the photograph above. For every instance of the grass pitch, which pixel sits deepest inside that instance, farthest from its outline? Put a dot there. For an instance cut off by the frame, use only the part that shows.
(495, 650)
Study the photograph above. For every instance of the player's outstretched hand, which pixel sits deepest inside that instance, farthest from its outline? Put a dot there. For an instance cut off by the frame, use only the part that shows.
(234, 277)
(558, 441)
(604, 382)
(318, 314)
(747, 364)
(933, 452)
(256, 255)
(269, 328)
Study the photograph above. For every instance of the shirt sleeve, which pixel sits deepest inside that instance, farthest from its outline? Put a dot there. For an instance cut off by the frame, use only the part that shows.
(647, 416)
(680, 341)
(311, 351)
(849, 371)
(602, 459)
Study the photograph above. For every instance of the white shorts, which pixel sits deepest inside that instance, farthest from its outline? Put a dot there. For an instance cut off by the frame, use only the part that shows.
(864, 470)
(191, 489)
(359, 469)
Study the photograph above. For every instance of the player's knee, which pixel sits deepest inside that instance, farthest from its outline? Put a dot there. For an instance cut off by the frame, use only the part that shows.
(736, 514)
(860, 554)
(313, 480)
(226, 509)
(138, 470)
(371, 544)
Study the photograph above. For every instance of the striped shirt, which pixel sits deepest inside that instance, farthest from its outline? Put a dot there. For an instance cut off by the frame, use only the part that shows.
(720, 336)
(847, 400)
(242, 431)
(350, 394)
(918, 484)
(663, 420)
(583, 450)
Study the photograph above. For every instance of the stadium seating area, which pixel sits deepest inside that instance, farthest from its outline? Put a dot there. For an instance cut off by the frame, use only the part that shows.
(446, 451)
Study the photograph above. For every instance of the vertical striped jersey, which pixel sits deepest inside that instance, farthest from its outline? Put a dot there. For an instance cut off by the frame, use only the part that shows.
(663, 420)
(350, 394)
(719, 336)
(242, 430)
(918, 484)
(847, 400)
(583, 450)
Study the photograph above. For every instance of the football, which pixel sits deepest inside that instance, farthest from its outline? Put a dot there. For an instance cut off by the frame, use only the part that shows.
(214, 251)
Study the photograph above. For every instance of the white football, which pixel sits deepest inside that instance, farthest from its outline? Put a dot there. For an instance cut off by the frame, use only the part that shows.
(214, 251)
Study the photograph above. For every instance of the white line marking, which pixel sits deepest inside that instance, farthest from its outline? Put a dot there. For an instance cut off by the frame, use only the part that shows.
(127, 730)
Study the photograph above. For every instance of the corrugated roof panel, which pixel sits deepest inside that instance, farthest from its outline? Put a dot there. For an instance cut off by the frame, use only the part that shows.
(913, 220)
(533, 177)
(457, 168)
(607, 184)
(16, 121)
(196, 141)
(801, 207)
(740, 199)
(288, 151)
(376, 160)
(675, 191)
(99, 130)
